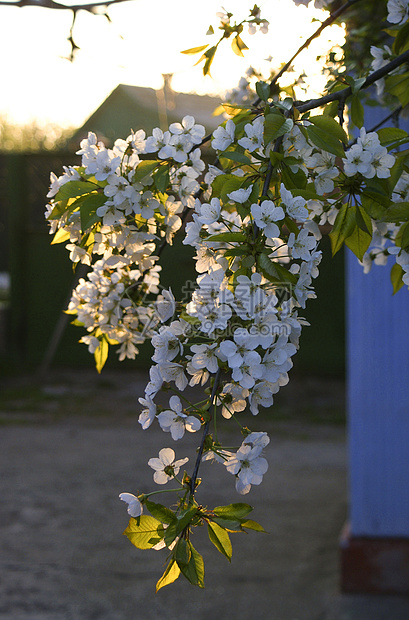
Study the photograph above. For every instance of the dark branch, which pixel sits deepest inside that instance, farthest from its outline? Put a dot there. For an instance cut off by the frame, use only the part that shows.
(50, 4)
(342, 95)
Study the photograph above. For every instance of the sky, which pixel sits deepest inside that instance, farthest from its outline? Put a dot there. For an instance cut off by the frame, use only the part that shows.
(143, 41)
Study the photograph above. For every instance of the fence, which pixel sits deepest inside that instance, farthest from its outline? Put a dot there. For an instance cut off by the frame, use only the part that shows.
(42, 277)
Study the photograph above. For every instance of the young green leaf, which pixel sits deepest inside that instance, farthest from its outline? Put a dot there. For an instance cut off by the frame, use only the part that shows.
(88, 209)
(238, 46)
(101, 354)
(263, 90)
(170, 575)
(275, 272)
(72, 189)
(253, 525)
(194, 570)
(61, 236)
(182, 552)
(398, 85)
(330, 126)
(404, 237)
(177, 527)
(144, 532)
(389, 135)
(276, 125)
(161, 179)
(236, 156)
(143, 169)
(343, 227)
(220, 538)
(397, 212)
(238, 510)
(357, 112)
(396, 277)
(195, 50)
(358, 242)
(325, 140)
(165, 515)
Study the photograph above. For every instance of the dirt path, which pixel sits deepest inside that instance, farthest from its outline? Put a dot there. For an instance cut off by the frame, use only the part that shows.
(62, 554)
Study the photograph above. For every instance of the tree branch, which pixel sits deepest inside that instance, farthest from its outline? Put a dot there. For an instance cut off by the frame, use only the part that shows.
(342, 95)
(316, 34)
(205, 429)
(50, 4)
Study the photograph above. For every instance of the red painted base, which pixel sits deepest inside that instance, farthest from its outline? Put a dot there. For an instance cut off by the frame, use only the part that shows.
(374, 565)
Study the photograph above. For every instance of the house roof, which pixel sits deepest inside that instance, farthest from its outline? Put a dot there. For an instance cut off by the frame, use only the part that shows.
(134, 107)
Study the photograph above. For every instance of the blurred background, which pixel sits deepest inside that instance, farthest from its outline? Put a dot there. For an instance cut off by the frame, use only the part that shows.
(115, 69)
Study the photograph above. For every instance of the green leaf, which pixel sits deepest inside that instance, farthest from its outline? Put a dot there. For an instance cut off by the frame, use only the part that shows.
(238, 510)
(398, 212)
(195, 50)
(165, 515)
(389, 135)
(396, 277)
(161, 179)
(170, 575)
(324, 140)
(238, 46)
(58, 210)
(88, 209)
(101, 353)
(263, 90)
(329, 125)
(276, 125)
(72, 189)
(232, 525)
(363, 220)
(275, 272)
(220, 538)
(177, 527)
(357, 112)
(358, 242)
(372, 207)
(355, 83)
(253, 525)
(144, 531)
(404, 237)
(401, 43)
(61, 236)
(143, 169)
(227, 237)
(236, 156)
(398, 85)
(293, 180)
(182, 552)
(343, 227)
(209, 56)
(194, 570)
(228, 183)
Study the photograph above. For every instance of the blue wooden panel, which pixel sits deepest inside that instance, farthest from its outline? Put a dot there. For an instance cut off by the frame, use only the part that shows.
(378, 402)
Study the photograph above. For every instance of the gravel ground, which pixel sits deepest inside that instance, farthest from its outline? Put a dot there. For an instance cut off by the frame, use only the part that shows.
(70, 445)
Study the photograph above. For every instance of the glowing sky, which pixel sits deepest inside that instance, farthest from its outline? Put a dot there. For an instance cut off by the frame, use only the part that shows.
(143, 41)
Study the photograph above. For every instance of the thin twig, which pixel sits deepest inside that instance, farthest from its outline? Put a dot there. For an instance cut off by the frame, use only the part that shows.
(316, 34)
(346, 92)
(205, 430)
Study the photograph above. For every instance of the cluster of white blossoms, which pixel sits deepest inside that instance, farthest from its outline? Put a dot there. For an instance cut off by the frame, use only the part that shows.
(283, 176)
(368, 157)
(112, 210)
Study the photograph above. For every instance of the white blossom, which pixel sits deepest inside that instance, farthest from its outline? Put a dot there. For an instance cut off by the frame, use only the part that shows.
(165, 466)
